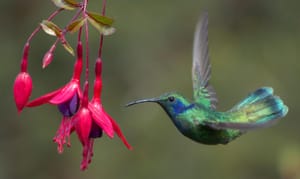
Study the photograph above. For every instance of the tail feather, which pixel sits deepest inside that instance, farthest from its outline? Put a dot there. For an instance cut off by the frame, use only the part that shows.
(258, 95)
(259, 109)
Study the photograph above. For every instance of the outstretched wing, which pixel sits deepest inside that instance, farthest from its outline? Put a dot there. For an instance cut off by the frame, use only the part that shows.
(203, 92)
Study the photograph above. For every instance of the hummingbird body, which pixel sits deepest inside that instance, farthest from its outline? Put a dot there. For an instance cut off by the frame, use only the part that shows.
(204, 134)
(191, 120)
(199, 120)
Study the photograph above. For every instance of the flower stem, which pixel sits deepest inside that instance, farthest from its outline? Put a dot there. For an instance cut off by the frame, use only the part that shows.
(85, 99)
(101, 36)
(100, 46)
(103, 7)
(36, 30)
(24, 62)
(86, 42)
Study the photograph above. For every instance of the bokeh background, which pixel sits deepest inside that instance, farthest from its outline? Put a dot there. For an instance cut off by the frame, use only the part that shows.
(253, 43)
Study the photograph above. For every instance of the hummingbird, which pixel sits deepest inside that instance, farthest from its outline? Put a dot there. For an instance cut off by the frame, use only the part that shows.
(199, 120)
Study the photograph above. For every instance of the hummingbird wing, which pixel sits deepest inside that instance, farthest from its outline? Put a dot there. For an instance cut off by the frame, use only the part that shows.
(203, 92)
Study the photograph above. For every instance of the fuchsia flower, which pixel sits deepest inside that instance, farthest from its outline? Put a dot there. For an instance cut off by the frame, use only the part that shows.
(96, 122)
(87, 118)
(23, 83)
(89, 122)
(96, 104)
(67, 97)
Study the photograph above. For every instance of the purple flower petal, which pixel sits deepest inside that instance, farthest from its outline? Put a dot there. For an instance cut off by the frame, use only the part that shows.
(69, 108)
(96, 131)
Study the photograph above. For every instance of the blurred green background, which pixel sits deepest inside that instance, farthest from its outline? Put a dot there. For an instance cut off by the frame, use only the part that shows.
(253, 43)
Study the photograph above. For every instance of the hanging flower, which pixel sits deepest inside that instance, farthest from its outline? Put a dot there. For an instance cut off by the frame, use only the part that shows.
(96, 104)
(91, 120)
(89, 124)
(22, 90)
(87, 118)
(23, 82)
(67, 97)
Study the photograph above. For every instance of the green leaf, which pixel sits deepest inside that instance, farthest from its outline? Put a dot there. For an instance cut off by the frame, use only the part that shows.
(68, 47)
(51, 28)
(102, 23)
(72, 3)
(102, 28)
(100, 19)
(66, 4)
(76, 25)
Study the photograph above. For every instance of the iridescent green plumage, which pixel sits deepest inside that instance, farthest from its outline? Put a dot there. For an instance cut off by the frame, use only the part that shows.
(199, 120)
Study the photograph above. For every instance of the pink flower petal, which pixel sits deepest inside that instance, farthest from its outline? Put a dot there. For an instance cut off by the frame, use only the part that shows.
(43, 99)
(101, 120)
(66, 93)
(83, 125)
(97, 105)
(117, 129)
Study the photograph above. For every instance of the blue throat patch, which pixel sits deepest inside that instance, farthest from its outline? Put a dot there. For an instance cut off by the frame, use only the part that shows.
(179, 107)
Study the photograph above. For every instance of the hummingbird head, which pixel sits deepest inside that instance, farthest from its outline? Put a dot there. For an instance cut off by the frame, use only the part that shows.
(172, 103)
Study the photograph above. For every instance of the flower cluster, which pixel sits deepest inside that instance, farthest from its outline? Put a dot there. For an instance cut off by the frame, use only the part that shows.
(79, 114)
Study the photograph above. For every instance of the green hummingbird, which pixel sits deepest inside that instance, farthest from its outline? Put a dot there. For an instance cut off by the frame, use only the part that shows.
(199, 120)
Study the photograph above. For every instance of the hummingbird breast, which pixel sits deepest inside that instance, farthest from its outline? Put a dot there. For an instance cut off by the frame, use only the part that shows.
(206, 135)
(193, 127)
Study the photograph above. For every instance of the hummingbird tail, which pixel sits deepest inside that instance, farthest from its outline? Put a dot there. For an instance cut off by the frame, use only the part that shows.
(260, 109)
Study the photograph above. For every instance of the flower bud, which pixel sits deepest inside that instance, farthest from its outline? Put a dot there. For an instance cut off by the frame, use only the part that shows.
(48, 56)
(22, 90)
(47, 59)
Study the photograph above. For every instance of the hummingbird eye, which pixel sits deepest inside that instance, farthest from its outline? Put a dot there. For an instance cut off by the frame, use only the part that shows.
(171, 98)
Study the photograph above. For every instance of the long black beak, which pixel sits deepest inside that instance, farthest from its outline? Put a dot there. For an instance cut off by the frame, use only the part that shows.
(142, 101)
